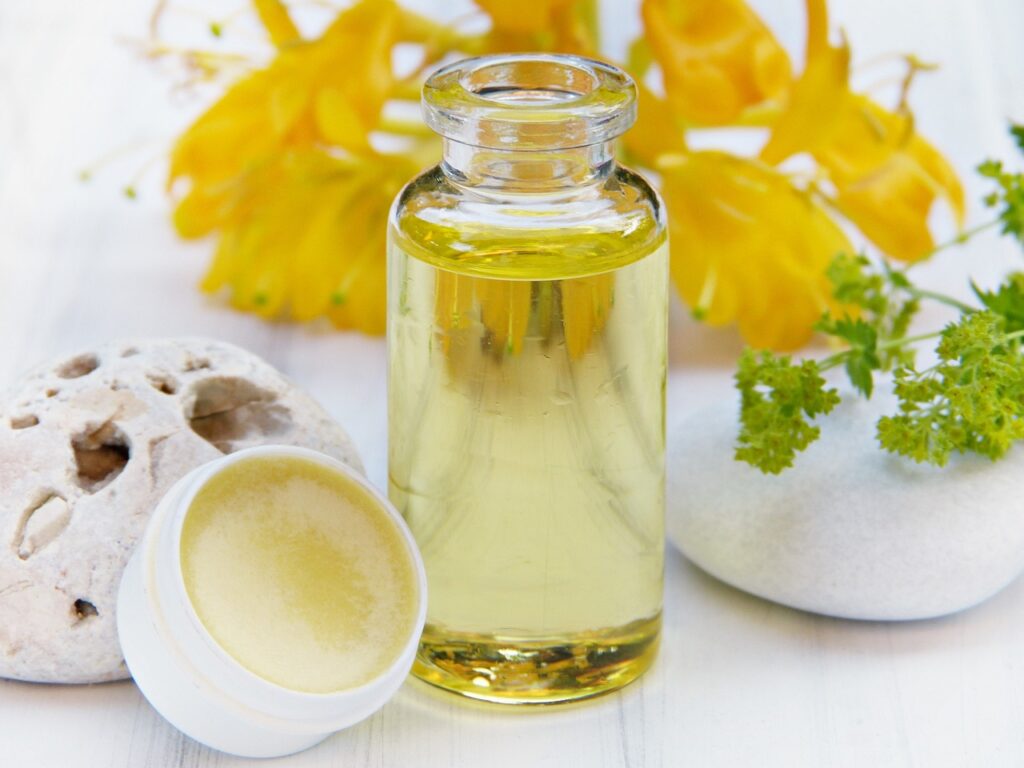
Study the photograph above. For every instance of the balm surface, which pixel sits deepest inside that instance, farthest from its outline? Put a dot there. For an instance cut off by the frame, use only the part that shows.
(298, 574)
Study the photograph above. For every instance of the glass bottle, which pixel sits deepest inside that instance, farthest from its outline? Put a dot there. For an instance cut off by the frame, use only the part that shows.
(527, 324)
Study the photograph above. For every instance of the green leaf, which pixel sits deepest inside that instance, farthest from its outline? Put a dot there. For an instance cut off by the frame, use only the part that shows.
(1009, 195)
(1017, 131)
(901, 324)
(778, 397)
(991, 169)
(858, 369)
(897, 278)
(862, 357)
(854, 283)
(1007, 301)
(888, 303)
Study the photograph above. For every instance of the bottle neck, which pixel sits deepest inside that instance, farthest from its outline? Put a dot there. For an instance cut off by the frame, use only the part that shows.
(533, 171)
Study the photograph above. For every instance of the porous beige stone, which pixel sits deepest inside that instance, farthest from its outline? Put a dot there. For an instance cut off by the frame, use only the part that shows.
(88, 445)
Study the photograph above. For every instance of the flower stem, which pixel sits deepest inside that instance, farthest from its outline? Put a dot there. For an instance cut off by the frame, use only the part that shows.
(960, 239)
(921, 293)
(904, 340)
(840, 357)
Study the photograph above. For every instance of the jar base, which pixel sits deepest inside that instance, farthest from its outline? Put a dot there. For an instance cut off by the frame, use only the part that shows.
(507, 670)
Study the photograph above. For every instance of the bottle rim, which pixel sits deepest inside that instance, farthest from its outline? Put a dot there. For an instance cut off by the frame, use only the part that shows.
(529, 101)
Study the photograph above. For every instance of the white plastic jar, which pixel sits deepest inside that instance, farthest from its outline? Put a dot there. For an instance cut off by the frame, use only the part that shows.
(193, 681)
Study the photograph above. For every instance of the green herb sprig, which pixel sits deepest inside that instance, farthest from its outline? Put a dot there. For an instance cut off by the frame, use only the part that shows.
(970, 401)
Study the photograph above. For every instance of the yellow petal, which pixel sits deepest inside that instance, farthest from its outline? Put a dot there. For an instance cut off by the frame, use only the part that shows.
(717, 58)
(225, 264)
(355, 56)
(772, 72)
(888, 178)
(303, 237)
(891, 205)
(201, 211)
(308, 94)
(359, 298)
(321, 257)
(940, 176)
(337, 121)
(656, 131)
(277, 21)
(364, 289)
(363, 285)
(566, 26)
(748, 247)
(818, 99)
(863, 138)
(229, 135)
(527, 17)
(287, 102)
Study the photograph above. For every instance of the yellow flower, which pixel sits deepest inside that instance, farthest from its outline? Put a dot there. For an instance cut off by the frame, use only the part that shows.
(528, 17)
(717, 58)
(748, 247)
(301, 230)
(330, 90)
(303, 235)
(817, 97)
(283, 171)
(566, 26)
(887, 177)
(656, 131)
(889, 199)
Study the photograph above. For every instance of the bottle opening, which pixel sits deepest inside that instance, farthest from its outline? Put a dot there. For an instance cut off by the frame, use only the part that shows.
(531, 81)
(529, 102)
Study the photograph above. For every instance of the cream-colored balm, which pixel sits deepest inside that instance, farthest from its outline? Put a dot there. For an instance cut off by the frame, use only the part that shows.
(298, 574)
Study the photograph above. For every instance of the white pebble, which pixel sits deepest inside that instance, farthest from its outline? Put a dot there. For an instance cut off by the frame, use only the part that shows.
(849, 531)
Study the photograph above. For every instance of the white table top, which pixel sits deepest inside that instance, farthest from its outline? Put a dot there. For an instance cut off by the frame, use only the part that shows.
(739, 682)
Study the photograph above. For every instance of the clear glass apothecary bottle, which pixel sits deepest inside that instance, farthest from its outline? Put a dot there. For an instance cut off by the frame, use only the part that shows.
(527, 291)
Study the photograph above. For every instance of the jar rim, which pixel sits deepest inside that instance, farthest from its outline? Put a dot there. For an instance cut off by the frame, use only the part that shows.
(199, 685)
(529, 101)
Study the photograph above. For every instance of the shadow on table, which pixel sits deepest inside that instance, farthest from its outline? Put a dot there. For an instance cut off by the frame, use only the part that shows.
(732, 610)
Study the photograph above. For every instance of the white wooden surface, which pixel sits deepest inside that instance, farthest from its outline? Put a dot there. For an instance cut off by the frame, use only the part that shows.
(740, 682)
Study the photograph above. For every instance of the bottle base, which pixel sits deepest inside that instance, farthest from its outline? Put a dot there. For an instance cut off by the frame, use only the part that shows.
(507, 670)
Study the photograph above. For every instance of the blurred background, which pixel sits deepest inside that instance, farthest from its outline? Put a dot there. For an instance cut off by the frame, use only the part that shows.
(82, 94)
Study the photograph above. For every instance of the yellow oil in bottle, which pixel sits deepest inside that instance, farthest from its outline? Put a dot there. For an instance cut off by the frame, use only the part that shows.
(526, 390)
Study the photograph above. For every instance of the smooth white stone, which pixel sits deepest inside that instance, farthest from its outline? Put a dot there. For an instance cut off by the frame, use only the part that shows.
(849, 531)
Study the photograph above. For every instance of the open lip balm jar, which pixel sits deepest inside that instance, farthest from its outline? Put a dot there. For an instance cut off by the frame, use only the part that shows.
(275, 598)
